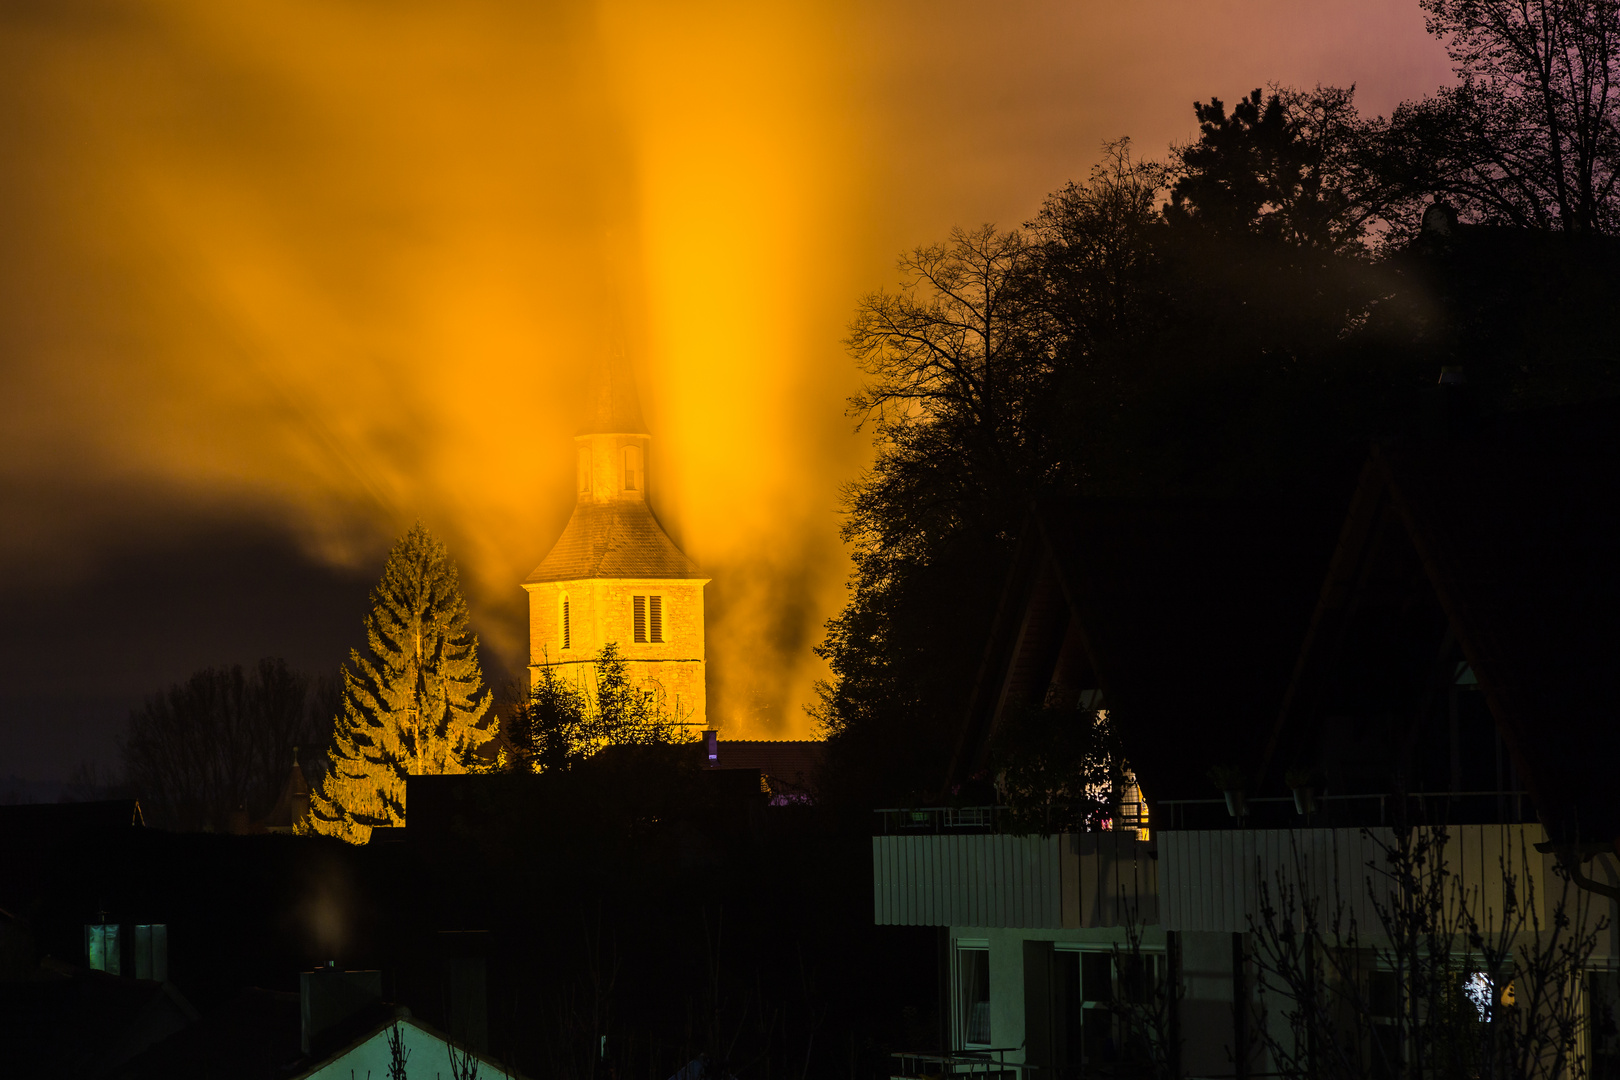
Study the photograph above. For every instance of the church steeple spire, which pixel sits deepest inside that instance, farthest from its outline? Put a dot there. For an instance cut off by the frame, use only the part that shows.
(614, 406)
(614, 576)
(613, 446)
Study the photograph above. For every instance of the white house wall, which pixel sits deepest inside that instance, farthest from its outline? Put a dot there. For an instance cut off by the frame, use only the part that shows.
(974, 880)
(429, 1056)
(1009, 949)
(1109, 879)
(1014, 882)
(1212, 880)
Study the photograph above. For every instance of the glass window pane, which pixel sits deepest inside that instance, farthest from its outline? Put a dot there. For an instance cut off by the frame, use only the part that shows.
(973, 970)
(101, 948)
(1097, 976)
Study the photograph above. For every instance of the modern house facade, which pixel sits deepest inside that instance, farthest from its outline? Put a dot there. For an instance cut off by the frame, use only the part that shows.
(1405, 688)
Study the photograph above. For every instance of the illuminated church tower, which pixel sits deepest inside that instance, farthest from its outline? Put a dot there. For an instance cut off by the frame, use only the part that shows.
(614, 576)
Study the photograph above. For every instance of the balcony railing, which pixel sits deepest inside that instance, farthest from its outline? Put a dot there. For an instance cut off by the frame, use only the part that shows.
(916, 1064)
(937, 820)
(932, 820)
(1349, 811)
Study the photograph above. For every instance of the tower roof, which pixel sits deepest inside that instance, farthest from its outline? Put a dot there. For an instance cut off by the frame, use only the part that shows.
(614, 408)
(613, 540)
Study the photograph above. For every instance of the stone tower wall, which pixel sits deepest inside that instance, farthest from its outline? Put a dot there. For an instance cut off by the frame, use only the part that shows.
(601, 611)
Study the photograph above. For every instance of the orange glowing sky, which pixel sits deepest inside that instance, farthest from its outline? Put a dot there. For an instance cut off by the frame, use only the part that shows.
(325, 268)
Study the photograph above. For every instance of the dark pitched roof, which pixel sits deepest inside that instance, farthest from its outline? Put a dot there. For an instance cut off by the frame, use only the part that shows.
(789, 764)
(293, 802)
(86, 1023)
(613, 540)
(1185, 614)
(253, 1033)
(52, 821)
(1516, 531)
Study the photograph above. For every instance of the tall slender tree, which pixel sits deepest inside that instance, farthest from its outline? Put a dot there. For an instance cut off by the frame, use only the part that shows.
(415, 703)
(1530, 134)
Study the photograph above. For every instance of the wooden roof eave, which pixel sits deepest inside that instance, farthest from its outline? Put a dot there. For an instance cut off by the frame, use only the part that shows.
(989, 682)
(1480, 645)
(1346, 570)
(1081, 597)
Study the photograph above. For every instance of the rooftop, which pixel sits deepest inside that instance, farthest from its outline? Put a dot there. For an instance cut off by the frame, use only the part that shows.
(613, 540)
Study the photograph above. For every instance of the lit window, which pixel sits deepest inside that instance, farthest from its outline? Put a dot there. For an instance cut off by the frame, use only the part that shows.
(101, 948)
(632, 468)
(567, 634)
(655, 618)
(640, 607)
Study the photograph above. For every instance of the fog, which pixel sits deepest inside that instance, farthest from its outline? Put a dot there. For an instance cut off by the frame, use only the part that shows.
(313, 271)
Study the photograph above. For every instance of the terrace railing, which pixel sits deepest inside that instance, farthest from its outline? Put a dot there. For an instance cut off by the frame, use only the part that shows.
(989, 1062)
(1349, 811)
(948, 820)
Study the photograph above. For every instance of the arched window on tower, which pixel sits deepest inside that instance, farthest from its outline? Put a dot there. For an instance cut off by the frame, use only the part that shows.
(633, 473)
(567, 631)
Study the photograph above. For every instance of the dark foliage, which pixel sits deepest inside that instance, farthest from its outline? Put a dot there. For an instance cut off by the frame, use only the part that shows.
(1530, 135)
(562, 721)
(1239, 322)
(1059, 770)
(955, 372)
(549, 729)
(222, 741)
(1287, 166)
(1437, 982)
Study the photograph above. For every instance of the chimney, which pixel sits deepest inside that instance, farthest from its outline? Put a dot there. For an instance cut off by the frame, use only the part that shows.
(328, 996)
(711, 749)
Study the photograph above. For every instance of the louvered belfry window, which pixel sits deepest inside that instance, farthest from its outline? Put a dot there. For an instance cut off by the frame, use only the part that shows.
(567, 636)
(649, 618)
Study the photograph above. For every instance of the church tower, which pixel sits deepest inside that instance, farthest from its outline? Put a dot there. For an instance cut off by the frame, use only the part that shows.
(614, 575)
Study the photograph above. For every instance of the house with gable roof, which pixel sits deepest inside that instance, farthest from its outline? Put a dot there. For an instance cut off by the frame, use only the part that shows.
(1431, 652)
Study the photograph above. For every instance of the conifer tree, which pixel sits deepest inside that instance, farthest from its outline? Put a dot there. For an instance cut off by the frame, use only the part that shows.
(414, 704)
(563, 723)
(555, 728)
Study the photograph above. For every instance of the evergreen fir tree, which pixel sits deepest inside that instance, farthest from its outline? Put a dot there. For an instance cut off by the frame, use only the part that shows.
(625, 715)
(555, 728)
(415, 704)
